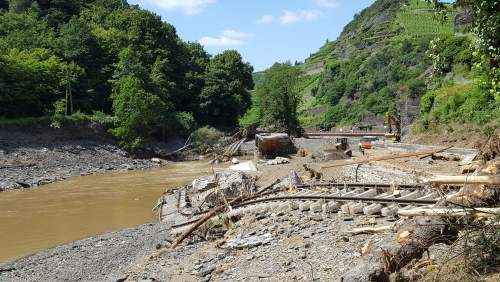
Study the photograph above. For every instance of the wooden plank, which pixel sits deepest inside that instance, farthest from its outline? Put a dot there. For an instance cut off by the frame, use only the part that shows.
(467, 160)
(388, 158)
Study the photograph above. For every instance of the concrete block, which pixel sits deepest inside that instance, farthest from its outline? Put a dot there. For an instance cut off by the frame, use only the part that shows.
(390, 210)
(369, 193)
(305, 206)
(356, 208)
(274, 206)
(411, 196)
(345, 208)
(315, 207)
(330, 206)
(372, 209)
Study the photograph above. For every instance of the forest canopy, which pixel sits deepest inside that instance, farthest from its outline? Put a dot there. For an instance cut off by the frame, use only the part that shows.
(118, 59)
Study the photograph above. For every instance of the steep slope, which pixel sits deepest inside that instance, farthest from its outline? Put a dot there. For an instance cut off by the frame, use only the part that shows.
(378, 64)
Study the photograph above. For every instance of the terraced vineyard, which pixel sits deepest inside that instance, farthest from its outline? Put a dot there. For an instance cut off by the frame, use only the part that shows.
(418, 24)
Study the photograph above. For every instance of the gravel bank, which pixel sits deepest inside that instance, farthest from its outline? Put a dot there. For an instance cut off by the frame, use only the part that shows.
(99, 258)
(303, 247)
(42, 155)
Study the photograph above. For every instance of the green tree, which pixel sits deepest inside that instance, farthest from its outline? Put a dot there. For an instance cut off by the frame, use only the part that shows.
(138, 112)
(487, 29)
(279, 99)
(225, 96)
(24, 31)
(193, 63)
(30, 82)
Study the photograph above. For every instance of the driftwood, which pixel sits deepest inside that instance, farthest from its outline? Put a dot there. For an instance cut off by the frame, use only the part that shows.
(414, 236)
(186, 145)
(211, 213)
(476, 212)
(468, 168)
(490, 180)
(369, 230)
(388, 158)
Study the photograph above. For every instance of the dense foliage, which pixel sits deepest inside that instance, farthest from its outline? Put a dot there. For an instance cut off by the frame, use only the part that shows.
(394, 51)
(486, 19)
(368, 84)
(277, 99)
(121, 60)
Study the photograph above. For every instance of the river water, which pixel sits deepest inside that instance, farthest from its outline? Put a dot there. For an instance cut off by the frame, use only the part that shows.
(39, 218)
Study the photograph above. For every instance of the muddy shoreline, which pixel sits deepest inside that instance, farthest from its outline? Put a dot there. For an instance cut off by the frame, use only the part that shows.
(319, 250)
(30, 157)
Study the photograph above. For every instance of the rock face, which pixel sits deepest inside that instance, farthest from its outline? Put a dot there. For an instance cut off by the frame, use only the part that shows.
(462, 18)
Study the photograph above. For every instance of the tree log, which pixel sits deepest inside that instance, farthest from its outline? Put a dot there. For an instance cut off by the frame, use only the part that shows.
(490, 180)
(414, 236)
(477, 212)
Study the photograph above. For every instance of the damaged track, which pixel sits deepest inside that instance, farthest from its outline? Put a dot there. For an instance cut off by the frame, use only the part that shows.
(367, 198)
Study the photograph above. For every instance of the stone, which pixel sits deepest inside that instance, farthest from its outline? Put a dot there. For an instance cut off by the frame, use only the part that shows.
(264, 275)
(285, 263)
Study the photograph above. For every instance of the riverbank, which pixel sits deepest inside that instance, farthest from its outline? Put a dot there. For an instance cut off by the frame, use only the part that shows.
(30, 157)
(303, 246)
(100, 258)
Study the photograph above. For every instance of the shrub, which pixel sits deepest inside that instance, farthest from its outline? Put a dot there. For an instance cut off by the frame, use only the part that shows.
(205, 138)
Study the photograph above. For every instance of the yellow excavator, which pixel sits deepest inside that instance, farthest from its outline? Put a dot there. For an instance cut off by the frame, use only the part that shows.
(338, 149)
(396, 136)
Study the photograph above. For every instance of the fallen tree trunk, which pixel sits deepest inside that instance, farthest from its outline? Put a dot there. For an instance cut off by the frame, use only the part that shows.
(414, 236)
(213, 212)
(490, 180)
(477, 212)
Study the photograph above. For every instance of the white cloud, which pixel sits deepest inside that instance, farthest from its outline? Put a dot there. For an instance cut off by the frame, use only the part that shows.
(235, 34)
(190, 7)
(266, 19)
(328, 4)
(226, 39)
(221, 41)
(302, 15)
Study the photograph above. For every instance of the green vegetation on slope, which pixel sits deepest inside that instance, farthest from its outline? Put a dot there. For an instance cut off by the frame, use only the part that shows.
(118, 59)
(384, 55)
(418, 24)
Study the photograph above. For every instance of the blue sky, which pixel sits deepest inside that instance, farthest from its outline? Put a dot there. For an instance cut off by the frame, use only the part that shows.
(262, 31)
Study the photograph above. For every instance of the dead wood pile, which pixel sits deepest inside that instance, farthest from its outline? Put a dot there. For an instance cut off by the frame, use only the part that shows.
(387, 260)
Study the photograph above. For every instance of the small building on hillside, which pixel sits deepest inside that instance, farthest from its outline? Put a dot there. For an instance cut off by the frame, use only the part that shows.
(270, 145)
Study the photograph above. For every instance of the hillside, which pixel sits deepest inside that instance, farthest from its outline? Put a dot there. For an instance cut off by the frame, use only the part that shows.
(384, 62)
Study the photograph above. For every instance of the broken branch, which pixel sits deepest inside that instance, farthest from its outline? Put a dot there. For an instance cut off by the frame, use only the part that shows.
(368, 230)
(209, 215)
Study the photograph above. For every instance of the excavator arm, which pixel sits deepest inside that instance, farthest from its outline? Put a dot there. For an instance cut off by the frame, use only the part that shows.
(391, 120)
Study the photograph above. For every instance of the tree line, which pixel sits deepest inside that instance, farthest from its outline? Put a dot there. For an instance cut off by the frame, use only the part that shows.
(117, 59)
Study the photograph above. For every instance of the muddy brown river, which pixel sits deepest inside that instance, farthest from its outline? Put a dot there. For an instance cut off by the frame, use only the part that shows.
(35, 219)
